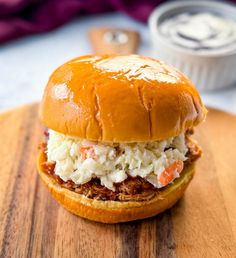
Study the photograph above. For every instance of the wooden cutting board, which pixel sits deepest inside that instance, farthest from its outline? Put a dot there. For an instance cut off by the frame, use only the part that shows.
(32, 224)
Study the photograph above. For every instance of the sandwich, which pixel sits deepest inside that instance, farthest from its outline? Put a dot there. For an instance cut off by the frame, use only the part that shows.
(118, 140)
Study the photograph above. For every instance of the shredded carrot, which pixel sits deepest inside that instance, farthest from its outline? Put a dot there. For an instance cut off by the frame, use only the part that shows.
(169, 173)
(87, 152)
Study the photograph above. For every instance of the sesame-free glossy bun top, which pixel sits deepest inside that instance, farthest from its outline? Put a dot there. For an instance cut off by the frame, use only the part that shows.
(120, 99)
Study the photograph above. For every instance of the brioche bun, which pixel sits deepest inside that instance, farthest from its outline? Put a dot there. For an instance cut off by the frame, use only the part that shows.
(116, 211)
(120, 99)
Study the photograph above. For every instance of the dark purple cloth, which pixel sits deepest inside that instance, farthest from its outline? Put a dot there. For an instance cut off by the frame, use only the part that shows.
(22, 17)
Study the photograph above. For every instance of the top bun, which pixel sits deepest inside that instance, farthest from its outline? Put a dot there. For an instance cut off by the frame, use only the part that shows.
(120, 99)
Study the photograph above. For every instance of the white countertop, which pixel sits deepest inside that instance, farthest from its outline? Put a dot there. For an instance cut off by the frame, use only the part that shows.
(26, 64)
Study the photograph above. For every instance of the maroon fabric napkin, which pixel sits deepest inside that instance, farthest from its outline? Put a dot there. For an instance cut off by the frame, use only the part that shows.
(22, 17)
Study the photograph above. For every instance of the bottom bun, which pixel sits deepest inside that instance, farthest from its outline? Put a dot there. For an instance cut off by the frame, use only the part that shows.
(116, 211)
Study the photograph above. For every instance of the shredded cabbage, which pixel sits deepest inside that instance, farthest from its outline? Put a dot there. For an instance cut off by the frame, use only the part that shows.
(81, 160)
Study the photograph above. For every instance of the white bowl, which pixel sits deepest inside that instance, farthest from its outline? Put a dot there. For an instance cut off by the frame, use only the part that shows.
(208, 71)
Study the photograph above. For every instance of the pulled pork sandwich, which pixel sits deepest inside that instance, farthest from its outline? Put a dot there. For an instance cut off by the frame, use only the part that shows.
(119, 144)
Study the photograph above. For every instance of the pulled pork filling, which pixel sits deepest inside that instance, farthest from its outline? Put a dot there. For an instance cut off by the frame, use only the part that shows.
(119, 172)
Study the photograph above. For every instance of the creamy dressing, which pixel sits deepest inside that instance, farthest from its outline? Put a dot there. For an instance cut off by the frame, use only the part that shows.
(202, 32)
(81, 160)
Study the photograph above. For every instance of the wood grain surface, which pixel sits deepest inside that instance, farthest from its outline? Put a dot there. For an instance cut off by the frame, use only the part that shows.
(32, 224)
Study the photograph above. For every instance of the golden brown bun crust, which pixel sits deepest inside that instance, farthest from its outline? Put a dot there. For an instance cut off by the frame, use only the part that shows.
(87, 98)
(115, 211)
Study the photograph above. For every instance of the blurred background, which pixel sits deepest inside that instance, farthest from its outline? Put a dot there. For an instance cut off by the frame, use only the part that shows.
(36, 36)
